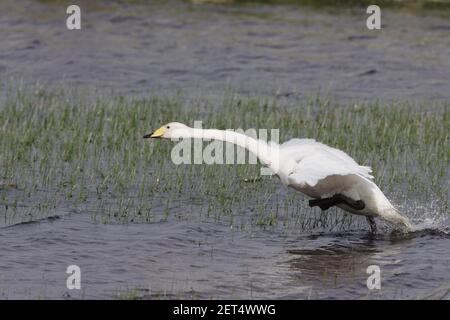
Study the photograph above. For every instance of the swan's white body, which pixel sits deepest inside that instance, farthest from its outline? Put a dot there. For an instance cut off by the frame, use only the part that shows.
(308, 166)
(320, 171)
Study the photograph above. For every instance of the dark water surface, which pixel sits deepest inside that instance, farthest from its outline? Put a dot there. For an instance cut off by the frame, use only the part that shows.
(189, 255)
(255, 49)
(184, 259)
(167, 45)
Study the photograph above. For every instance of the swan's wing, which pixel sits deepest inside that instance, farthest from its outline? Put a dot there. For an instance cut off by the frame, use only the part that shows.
(316, 161)
(315, 168)
(301, 143)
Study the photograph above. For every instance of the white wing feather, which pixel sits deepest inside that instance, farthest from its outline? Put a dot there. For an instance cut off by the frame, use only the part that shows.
(315, 161)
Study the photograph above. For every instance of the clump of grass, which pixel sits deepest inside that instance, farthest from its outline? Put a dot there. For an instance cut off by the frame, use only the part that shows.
(91, 155)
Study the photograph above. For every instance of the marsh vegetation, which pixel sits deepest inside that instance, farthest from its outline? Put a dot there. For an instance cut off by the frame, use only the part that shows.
(60, 151)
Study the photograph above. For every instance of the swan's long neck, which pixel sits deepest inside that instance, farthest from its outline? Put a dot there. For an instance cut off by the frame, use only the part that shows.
(259, 148)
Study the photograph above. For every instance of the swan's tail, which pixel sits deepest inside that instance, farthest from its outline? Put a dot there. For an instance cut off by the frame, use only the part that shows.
(393, 216)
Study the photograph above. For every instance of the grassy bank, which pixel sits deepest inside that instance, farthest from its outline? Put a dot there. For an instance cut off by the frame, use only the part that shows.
(64, 154)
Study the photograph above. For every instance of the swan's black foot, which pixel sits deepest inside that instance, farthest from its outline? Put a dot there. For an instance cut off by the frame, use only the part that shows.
(327, 203)
(372, 224)
(323, 204)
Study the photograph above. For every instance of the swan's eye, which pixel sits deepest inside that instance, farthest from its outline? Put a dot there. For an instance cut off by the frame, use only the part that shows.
(168, 127)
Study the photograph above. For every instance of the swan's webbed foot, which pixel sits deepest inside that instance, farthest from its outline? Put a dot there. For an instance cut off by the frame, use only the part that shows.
(327, 203)
(372, 224)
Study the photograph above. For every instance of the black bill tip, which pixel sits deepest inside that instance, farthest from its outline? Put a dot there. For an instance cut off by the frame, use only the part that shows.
(148, 136)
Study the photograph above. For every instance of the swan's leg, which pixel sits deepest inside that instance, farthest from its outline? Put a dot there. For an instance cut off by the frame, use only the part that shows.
(327, 203)
(372, 224)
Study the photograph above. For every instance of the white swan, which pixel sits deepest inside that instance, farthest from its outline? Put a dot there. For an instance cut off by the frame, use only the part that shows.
(328, 175)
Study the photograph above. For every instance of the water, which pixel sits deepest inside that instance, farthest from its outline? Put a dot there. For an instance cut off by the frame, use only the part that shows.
(255, 49)
(204, 259)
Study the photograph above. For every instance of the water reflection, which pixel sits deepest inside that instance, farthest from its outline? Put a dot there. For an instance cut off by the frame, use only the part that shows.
(338, 268)
(332, 265)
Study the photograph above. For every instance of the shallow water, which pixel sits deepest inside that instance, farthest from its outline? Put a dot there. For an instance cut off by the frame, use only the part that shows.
(170, 45)
(195, 259)
(188, 254)
(293, 51)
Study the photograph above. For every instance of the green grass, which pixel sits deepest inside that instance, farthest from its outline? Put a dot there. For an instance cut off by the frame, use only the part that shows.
(60, 152)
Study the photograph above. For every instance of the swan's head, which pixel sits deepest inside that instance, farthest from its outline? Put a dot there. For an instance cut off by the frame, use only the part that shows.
(170, 130)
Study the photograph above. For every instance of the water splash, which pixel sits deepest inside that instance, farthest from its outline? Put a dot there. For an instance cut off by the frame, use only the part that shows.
(432, 216)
